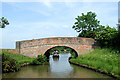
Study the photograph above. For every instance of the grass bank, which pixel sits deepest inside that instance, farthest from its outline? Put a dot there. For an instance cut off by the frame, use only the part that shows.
(13, 62)
(19, 58)
(104, 59)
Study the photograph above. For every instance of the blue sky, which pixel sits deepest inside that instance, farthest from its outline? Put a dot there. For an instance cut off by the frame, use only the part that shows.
(34, 20)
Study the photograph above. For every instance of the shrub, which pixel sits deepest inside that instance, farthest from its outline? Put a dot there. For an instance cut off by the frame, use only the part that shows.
(35, 61)
(40, 60)
(116, 41)
(9, 64)
(73, 54)
(106, 36)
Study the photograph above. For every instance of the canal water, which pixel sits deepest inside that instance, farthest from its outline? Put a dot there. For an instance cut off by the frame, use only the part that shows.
(58, 68)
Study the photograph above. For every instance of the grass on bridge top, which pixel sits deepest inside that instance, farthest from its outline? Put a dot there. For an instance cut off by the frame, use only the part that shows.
(104, 59)
(18, 57)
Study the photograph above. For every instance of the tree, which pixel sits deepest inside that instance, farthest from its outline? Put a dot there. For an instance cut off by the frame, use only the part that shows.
(87, 25)
(106, 36)
(3, 22)
(119, 24)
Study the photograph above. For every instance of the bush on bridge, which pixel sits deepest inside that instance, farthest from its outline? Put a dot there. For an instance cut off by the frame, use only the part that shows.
(40, 60)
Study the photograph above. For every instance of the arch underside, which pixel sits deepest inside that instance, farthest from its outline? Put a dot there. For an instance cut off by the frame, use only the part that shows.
(48, 54)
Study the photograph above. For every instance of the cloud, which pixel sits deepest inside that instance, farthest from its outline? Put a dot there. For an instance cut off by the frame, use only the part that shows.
(0, 38)
(106, 15)
(60, 0)
(34, 8)
(47, 3)
(69, 4)
(66, 26)
(51, 24)
(34, 30)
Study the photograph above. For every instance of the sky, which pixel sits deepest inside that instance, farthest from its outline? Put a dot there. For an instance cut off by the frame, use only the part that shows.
(35, 20)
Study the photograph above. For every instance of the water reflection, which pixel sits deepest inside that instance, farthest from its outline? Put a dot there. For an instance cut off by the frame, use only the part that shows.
(61, 67)
(58, 68)
(56, 58)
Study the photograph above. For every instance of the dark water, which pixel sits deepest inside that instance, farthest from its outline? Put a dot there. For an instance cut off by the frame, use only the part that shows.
(58, 68)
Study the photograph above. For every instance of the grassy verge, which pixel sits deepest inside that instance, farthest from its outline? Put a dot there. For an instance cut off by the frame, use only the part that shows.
(19, 58)
(13, 62)
(104, 59)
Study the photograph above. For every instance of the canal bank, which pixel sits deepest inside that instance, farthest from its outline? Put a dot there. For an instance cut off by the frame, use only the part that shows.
(96, 70)
(57, 68)
(104, 61)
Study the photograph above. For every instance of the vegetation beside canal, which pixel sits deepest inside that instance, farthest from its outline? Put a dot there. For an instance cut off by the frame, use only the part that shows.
(12, 62)
(18, 57)
(40, 60)
(103, 59)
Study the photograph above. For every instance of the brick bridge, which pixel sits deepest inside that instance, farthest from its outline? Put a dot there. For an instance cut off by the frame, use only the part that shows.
(36, 47)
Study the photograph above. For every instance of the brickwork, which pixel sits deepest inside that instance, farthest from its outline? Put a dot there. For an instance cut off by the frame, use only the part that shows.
(36, 47)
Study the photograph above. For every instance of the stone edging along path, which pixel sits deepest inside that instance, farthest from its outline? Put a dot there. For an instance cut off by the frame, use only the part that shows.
(96, 70)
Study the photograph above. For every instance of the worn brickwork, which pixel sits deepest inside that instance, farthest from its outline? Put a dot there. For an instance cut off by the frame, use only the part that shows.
(36, 47)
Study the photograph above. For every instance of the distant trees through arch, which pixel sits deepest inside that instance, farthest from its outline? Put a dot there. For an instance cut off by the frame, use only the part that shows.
(61, 50)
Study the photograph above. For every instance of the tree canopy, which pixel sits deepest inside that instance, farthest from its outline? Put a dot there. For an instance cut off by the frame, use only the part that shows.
(87, 25)
(3, 22)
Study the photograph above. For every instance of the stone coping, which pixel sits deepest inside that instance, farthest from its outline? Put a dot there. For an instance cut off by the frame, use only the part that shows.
(52, 38)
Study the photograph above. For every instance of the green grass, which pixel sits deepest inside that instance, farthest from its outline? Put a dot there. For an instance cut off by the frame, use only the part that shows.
(18, 57)
(12, 62)
(105, 59)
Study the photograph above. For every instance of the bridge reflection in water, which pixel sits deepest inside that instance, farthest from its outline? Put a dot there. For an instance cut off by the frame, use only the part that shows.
(58, 68)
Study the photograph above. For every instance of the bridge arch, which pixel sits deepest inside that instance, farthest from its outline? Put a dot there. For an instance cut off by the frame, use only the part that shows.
(47, 53)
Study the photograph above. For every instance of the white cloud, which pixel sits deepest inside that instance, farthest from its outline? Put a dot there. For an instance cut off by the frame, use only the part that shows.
(0, 38)
(66, 26)
(33, 8)
(104, 13)
(56, 25)
(34, 30)
(47, 3)
(0, 9)
(60, 0)
(69, 4)
(42, 12)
